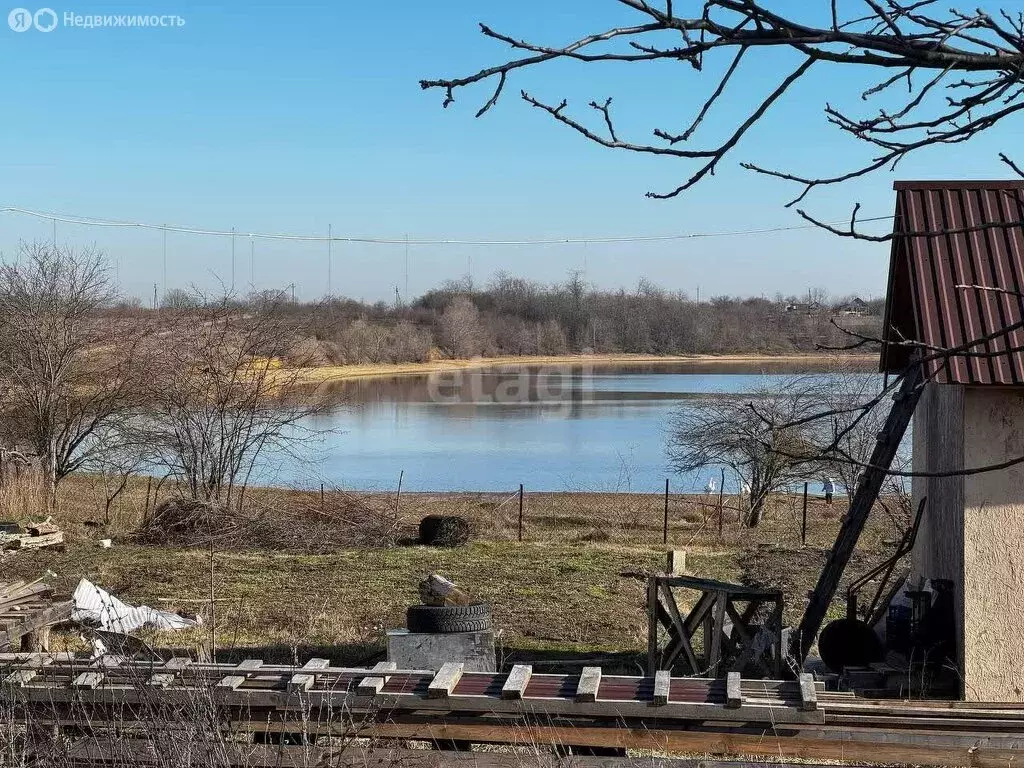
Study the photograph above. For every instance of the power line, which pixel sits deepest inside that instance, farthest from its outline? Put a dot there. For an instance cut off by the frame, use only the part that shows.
(88, 221)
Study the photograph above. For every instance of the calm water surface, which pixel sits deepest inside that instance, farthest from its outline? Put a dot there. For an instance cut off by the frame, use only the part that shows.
(550, 428)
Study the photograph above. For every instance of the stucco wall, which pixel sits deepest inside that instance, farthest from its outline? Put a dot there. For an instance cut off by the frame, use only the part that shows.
(993, 586)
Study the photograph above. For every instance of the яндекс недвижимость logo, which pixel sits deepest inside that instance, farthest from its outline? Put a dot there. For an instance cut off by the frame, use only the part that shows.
(22, 19)
(46, 20)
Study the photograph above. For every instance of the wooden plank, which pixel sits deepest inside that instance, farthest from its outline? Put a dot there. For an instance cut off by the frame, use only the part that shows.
(162, 679)
(662, 686)
(315, 663)
(87, 680)
(445, 680)
(733, 690)
(178, 662)
(231, 682)
(301, 682)
(20, 677)
(590, 681)
(372, 685)
(822, 746)
(90, 752)
(808, 693)
(863, 501)
(516, 682)
(249, 665)
(653, 656)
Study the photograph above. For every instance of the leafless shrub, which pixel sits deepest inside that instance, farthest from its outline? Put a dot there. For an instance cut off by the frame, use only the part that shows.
(65, 373)
(221, 400)
(298, 521)
(738, 432)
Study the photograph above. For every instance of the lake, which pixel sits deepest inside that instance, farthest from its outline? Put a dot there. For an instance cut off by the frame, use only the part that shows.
(552, 428)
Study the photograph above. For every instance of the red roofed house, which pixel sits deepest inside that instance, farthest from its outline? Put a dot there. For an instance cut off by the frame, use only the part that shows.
(951, 236)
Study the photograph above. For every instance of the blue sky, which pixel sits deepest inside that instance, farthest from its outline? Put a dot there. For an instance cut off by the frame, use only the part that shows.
(290, 117)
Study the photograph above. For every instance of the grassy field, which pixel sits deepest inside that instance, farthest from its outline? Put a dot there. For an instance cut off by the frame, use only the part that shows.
(569, 588)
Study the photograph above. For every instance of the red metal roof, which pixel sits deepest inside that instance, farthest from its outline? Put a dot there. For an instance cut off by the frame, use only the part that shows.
(950, 234)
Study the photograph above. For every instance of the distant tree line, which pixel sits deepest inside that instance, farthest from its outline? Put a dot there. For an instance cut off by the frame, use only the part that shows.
(516, 316)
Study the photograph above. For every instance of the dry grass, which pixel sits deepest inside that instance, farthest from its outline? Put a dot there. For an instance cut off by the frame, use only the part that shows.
(322, 373)
(558, 593)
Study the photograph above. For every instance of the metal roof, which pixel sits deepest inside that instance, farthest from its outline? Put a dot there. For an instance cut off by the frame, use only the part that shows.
(949, 235)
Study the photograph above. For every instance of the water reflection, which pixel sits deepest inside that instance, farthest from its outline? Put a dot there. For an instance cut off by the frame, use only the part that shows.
(578, 427)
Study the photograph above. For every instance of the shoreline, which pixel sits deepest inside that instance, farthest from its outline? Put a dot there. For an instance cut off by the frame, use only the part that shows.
(328, 373)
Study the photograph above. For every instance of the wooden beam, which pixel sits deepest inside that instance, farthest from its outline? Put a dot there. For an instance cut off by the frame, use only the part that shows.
(733, 690)
(808, 693)
(374, 684)
(444, 682)
(249, 665)
(662, 686)
(317, 664)
(516, 682)
(19, 677)
(87, 680)
(89, 752)
(590, 681)
(162, 679)
(300, 682)
(861, 504)
(968, 752)
(231, 682)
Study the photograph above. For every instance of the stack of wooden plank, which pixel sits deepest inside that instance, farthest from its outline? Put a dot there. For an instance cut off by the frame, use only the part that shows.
(27, 608)
(35, 536)
(777, 718)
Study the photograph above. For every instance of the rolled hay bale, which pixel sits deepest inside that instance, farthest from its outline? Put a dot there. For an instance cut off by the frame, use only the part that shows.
(444, 530)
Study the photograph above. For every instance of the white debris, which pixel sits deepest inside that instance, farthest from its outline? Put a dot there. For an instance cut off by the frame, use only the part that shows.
(96, 605)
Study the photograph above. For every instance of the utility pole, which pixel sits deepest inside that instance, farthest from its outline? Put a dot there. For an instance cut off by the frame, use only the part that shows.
(406, 265)
(154, 296)
(252, 262)
(164, 287)
(232, 259)
(330, 244)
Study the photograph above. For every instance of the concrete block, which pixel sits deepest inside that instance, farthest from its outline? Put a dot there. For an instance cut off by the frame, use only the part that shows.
(676, 562)
(417, 650)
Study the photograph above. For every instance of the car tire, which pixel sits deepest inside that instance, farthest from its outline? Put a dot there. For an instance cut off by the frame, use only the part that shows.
(447, 619)
(444, 530)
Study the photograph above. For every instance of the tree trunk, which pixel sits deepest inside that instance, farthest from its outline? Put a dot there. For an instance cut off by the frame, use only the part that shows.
(758, 496)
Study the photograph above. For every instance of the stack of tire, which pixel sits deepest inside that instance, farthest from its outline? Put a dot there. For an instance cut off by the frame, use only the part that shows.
(448, 619)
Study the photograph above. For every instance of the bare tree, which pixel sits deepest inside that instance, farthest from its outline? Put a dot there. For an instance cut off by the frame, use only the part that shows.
(222, 400)
(976, 57)
(67, 374)
(843, 391)
(727, 431)
(462, 332)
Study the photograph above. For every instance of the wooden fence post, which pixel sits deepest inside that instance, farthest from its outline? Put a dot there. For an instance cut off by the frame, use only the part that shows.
(664, 530)
(520, 511)
(803, 524)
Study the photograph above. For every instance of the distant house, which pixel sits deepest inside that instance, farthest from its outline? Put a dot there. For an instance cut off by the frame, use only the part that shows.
(811, 308)
(856, 308)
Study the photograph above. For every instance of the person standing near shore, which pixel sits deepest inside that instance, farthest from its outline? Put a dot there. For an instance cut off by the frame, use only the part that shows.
(829, 487)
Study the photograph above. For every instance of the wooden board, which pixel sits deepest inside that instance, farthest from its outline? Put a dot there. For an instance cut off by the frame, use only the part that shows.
(515, 684)
(589, 683)
(445, 681)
